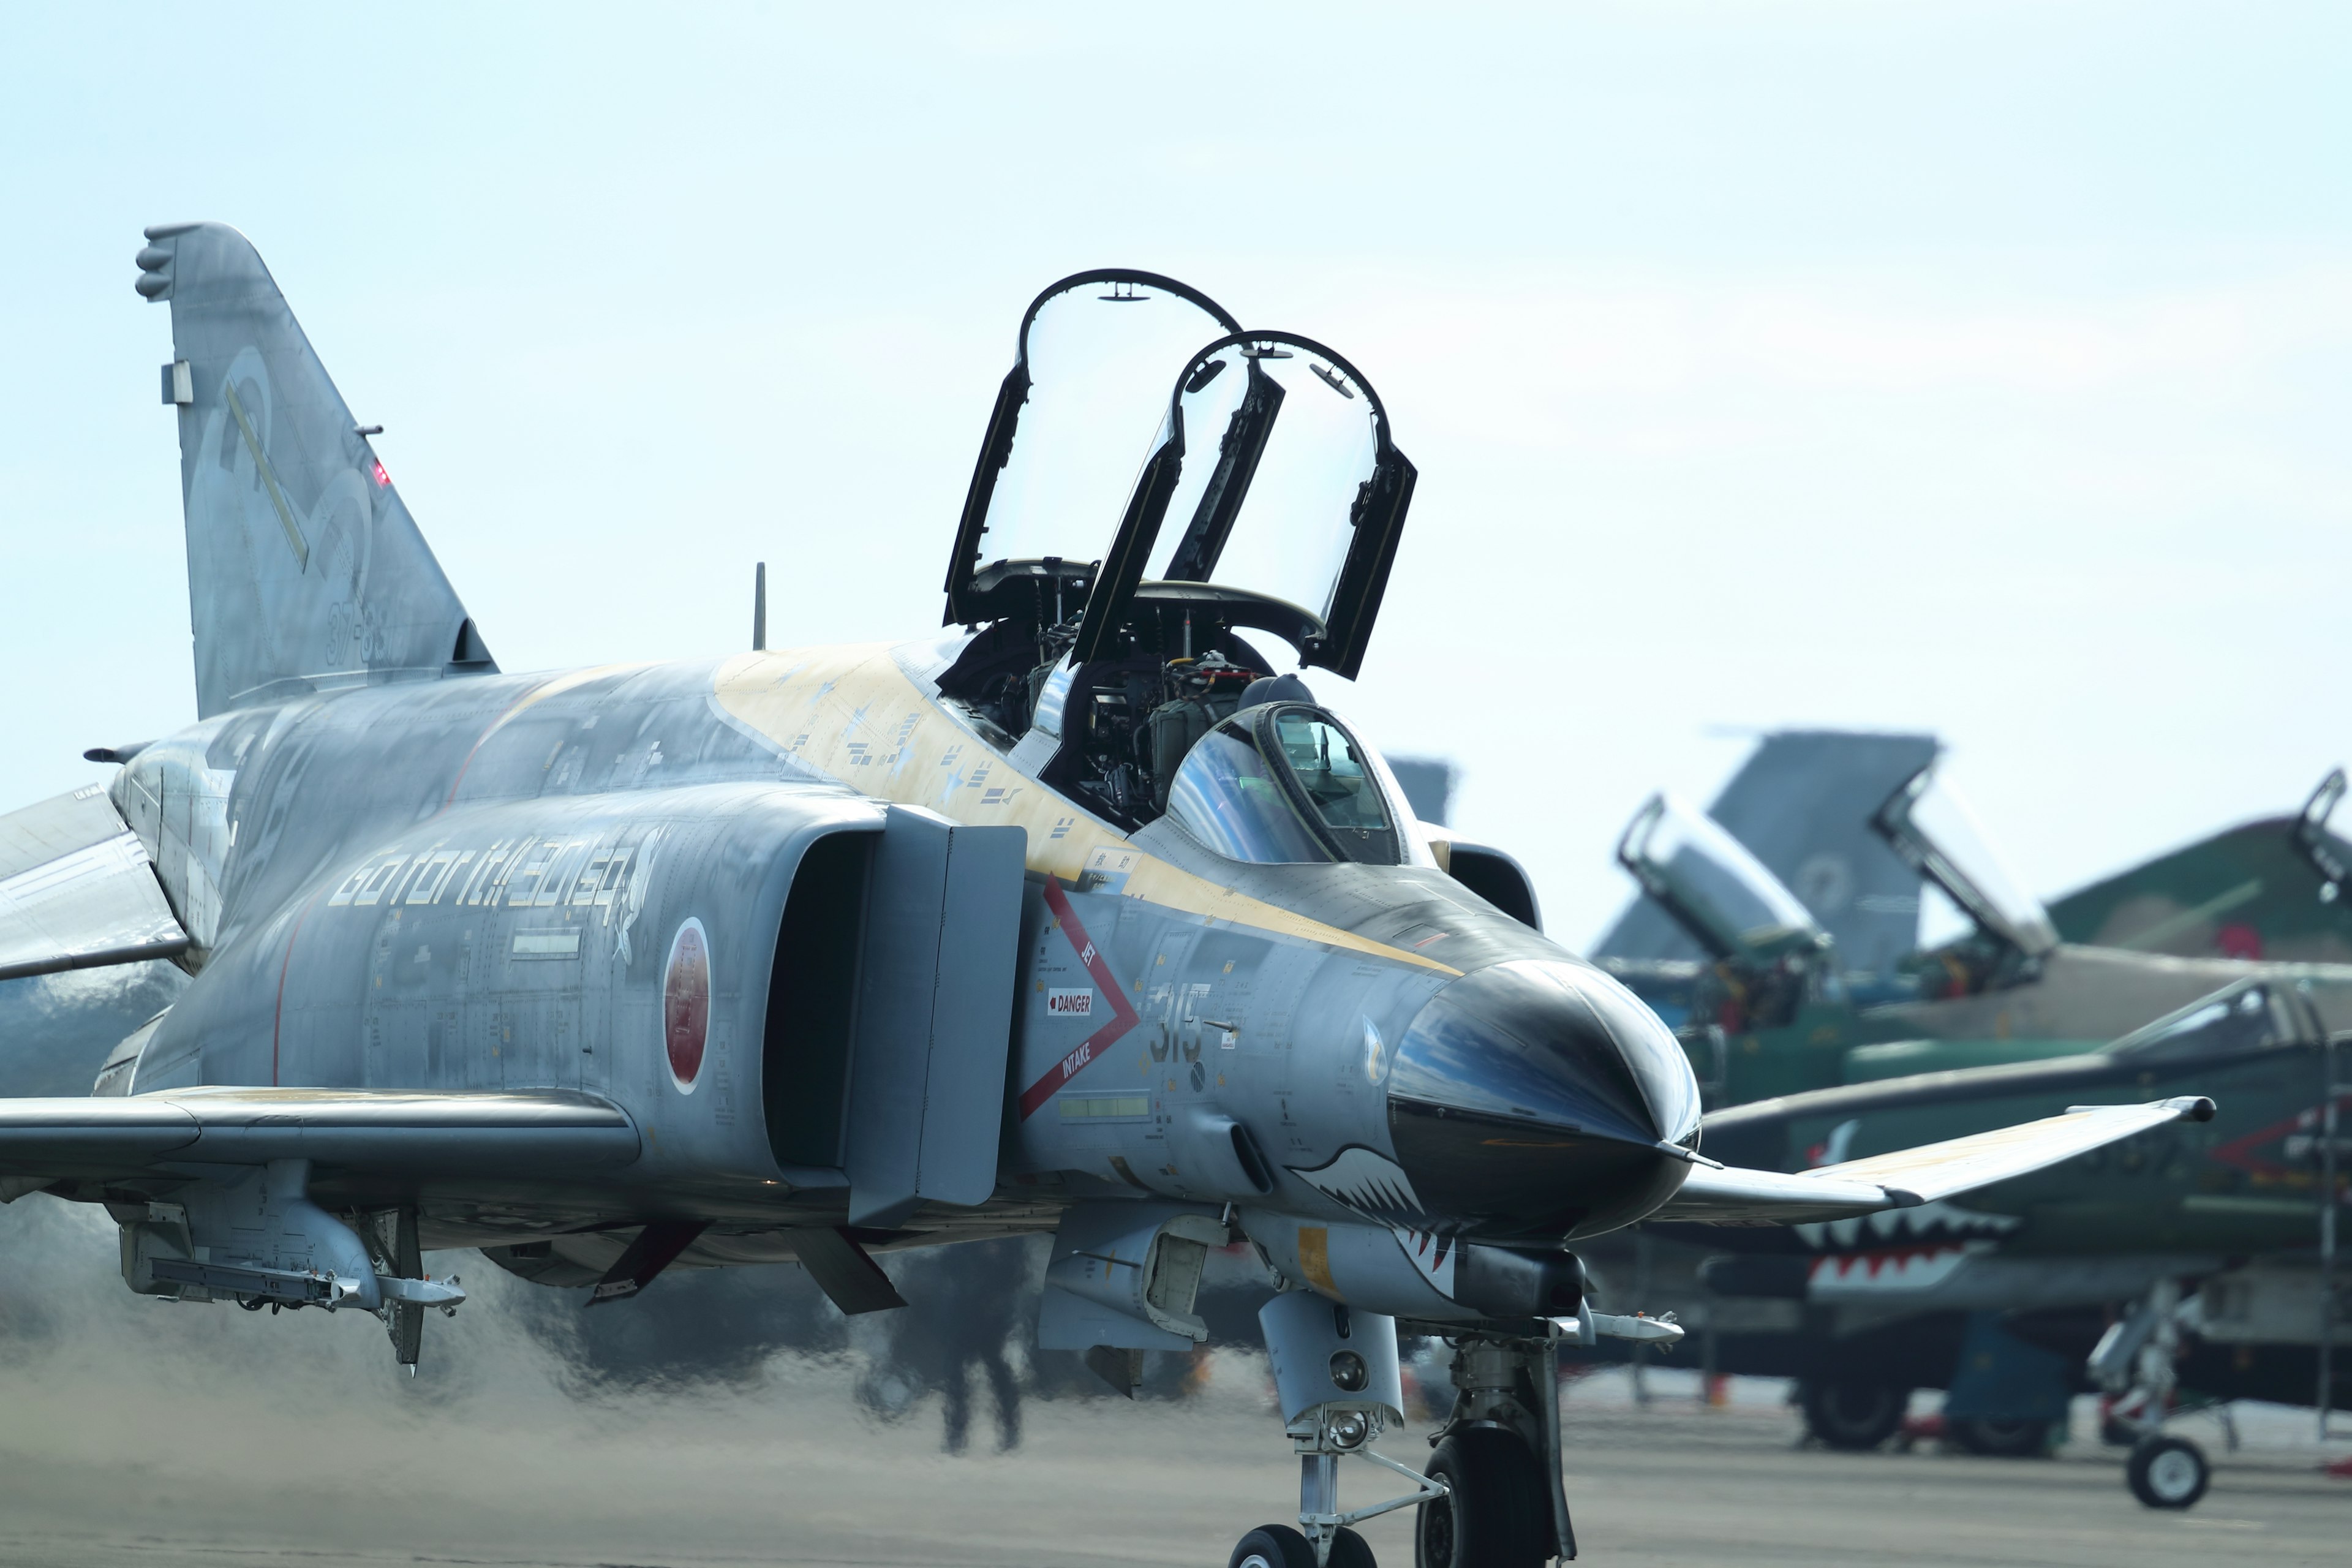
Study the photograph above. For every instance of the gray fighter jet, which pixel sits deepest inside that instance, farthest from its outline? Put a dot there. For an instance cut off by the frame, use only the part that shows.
(1081, 916)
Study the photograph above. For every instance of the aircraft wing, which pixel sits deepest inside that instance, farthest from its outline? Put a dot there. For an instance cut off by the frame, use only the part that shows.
(77, 889)
(1908, 1177)
(386, 1133)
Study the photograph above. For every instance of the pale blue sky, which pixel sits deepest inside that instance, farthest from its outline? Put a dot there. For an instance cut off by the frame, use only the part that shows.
(1975, 367)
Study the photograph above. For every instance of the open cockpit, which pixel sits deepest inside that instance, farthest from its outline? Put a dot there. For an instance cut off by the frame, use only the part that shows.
(1266, 510)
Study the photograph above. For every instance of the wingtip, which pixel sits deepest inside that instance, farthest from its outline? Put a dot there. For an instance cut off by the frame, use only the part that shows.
(2193, 1107)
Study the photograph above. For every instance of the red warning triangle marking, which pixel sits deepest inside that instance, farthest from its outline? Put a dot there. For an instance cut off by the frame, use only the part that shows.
(1123, 1014)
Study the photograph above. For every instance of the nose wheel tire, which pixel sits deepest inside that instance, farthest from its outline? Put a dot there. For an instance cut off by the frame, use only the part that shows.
(2168, 1472)
(1852, 1416)
(1496, 1512)
(1279, 1546)
(1275, 1546)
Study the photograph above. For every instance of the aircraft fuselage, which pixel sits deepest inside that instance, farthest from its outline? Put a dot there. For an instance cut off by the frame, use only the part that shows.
(484, 883)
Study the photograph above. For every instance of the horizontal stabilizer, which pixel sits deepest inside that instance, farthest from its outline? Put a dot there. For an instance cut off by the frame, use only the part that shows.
(379, 1132)
(77, 889)
(1908, 1177)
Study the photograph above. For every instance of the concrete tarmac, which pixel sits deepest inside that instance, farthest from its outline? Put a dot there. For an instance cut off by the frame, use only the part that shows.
(203, 1470)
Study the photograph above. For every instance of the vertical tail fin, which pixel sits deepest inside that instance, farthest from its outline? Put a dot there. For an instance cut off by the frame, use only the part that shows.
(304, 569)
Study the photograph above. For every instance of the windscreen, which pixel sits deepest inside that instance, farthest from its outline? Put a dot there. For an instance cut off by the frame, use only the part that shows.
(1342, 799)
(1285, 784)
(1709, 881)
(1280, 441)
(1227, 796)
(1929, 825)
(2247, 1016)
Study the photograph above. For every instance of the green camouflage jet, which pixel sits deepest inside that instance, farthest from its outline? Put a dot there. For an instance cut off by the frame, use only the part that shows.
(1774, 1007)
(2003, 1301)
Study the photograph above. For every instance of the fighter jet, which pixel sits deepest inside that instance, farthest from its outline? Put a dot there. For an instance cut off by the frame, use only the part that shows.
(1775, 1006)
(2000, 1300)
(1081, 916)
(1804, 802)
(1931, 1297)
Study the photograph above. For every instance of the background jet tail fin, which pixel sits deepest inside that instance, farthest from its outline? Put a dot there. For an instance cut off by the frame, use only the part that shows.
(304, 569)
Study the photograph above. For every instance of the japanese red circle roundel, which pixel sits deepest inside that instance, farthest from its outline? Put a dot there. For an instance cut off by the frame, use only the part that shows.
(686, 1003)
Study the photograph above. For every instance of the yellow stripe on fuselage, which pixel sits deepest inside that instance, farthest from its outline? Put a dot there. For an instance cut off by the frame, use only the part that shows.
(851, 713)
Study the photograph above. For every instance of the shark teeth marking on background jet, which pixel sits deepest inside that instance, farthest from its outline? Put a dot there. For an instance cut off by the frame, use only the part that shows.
(1941, 1219)
(1893, 1271)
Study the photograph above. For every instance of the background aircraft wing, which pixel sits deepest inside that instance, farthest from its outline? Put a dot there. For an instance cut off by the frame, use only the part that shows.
(77, 889)
(388, 1135)
(1908, 1177)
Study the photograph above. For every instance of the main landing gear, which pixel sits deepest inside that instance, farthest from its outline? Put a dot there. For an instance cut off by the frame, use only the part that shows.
(1491, 1497)
(1498, 1454)
(1853, 1413)
(2135, 1360)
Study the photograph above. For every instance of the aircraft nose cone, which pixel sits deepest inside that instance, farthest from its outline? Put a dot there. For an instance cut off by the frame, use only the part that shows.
(1531, 1098)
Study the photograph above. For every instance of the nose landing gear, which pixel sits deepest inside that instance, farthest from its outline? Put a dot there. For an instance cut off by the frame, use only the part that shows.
(2135, 1360)
(1491, 1497)
(1335, 1372)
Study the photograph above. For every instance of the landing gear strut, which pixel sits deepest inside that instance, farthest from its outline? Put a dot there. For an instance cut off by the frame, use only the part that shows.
(1492, 1496)
(2135, 1360)
(1335, 1371)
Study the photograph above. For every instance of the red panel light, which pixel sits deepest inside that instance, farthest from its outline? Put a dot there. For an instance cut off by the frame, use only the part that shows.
(381, 477)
